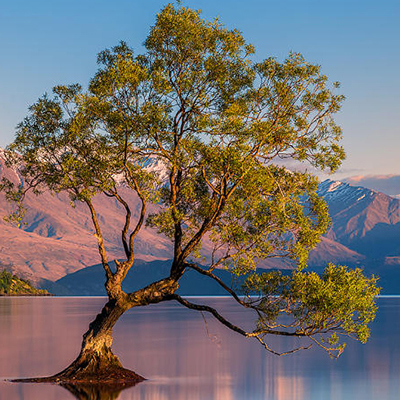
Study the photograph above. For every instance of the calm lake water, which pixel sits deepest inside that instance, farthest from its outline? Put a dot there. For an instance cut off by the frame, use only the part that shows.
(183, 358)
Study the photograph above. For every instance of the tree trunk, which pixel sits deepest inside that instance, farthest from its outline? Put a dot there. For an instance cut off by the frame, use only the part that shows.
(96, 362)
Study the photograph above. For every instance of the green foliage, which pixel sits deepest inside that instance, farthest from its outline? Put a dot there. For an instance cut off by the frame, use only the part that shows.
(15, 196)
(5, 281)
(340, 302)
(13, 285)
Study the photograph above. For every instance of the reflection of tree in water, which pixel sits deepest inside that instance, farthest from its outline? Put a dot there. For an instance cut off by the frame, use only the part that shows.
(95, 391)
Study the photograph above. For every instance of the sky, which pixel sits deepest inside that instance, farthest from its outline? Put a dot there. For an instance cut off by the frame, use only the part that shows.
(48, 42)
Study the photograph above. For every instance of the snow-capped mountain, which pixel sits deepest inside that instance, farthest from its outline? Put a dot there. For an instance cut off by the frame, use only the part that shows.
(363, 220)
(388, 184)
(342, 193)
(58, 240)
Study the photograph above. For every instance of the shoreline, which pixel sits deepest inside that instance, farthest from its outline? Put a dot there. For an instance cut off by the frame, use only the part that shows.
(26, 294)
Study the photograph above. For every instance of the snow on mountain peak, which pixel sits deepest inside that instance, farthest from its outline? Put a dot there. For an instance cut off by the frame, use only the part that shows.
(343, 192)
(158, 167)
(334, 185)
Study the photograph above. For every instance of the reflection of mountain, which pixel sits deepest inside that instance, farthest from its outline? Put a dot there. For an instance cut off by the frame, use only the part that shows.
(57, 240)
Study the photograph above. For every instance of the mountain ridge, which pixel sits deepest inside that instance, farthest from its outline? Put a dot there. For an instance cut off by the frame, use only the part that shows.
(58, 240)
(364, 220)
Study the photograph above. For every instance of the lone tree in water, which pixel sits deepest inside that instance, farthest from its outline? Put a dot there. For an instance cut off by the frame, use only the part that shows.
(219, 124)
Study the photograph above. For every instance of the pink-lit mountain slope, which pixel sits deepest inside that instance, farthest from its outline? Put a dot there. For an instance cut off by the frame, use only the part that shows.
(58, 239)
(363, 220)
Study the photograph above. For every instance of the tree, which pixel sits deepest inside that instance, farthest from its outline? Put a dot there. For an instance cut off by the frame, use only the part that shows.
(219, 123)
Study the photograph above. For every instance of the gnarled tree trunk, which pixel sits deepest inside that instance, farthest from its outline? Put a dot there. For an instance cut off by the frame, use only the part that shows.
(96, 361)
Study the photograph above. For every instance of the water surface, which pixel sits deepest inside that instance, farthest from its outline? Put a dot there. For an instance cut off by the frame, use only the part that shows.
(184, 358)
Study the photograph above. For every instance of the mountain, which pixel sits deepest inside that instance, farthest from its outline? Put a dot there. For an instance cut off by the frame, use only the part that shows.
(363, 220)
(58, 240)
(368, 223)
(90, 281)
(388, 184)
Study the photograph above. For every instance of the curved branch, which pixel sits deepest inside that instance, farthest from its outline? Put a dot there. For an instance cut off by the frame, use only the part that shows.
(207, 224)
(211, 310)
(220, 282)
(99, 238)
(126, 225)
(265, 345)
(329, 350)
(133, 183)
(256, 334)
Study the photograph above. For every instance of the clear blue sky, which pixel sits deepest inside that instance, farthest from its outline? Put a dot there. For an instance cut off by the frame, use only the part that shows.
(49, 42)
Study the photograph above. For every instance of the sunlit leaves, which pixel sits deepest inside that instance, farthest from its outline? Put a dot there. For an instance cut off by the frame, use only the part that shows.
(13, 195)
(339, 303)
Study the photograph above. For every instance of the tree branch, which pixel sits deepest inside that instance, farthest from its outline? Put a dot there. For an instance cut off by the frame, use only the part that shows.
(99, 238)
(210, 310)
(220, 282)
(127, 223)
(132, 181)
(256, 334)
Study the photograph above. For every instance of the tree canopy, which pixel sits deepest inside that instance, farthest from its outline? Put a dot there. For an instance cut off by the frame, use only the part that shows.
(220, 126)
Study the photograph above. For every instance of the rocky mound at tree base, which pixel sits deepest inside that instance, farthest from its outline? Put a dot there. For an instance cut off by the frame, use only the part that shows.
(118, 376)
(92, 367)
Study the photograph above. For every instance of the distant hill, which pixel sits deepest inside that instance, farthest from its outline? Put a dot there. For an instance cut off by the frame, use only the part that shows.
(90, 281)
(365, 232)
(363, 220)
(368, 223)
(12, 285)
(57, 239)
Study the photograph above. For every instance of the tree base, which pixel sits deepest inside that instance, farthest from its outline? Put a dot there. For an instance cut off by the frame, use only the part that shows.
(92, 368)
(118, 376)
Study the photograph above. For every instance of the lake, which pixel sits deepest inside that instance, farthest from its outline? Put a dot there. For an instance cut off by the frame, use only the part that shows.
(184, 358)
